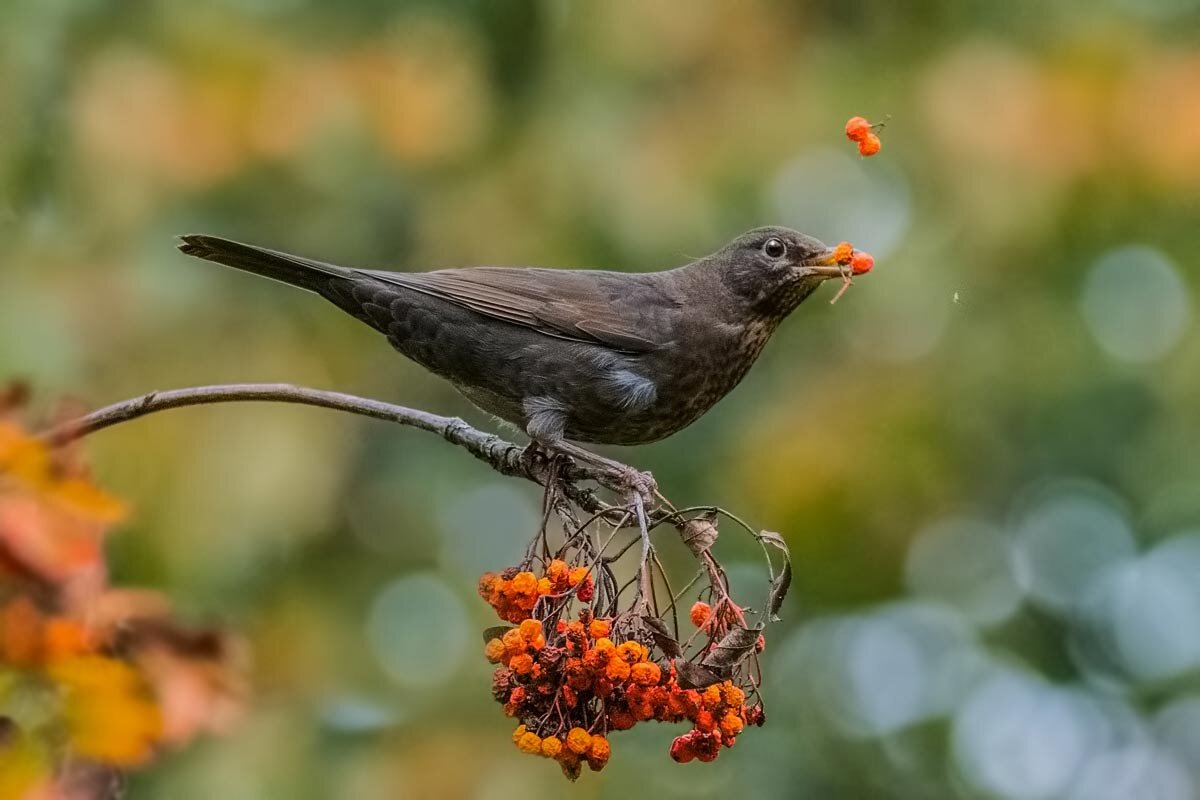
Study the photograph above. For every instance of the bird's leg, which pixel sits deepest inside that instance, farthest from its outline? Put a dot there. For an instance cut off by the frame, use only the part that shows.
(546, 425)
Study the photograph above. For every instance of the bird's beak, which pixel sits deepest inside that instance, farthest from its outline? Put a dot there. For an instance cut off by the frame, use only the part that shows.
(824, 265)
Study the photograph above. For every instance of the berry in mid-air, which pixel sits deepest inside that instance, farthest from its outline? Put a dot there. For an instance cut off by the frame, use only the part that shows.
(857, 129)
(870, 145)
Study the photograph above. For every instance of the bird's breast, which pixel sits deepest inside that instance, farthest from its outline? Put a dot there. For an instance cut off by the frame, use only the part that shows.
(670, 389)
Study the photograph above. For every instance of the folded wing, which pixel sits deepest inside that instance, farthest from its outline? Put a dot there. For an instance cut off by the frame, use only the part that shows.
(582, 306)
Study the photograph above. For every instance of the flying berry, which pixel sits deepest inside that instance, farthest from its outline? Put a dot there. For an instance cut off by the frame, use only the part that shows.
(870, 145)
(857, 129)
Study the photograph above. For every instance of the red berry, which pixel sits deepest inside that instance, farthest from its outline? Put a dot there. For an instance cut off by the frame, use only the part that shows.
(857, 129)
(681, 749)
(700, 613)
(861, 263)
(869, 145)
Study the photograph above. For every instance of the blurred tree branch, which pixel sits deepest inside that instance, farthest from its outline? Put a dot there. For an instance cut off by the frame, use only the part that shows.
(504, 456)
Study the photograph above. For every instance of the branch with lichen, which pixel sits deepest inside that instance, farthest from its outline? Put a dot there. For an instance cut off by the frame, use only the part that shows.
(588, 653)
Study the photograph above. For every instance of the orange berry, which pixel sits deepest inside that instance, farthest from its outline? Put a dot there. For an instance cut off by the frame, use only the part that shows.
(545, 586)
(577, 575)
(870, 145)
(711, 697)
(701, 612)
(645, 673)
(513, 641)
(530, 743)
(843, 252)
(732, 695)
(598, 753)
(579, 741)
(731, 724)
(599, 628)
(551, 746)
(487, 584)
(632, 652)
(558, 571)
(518, 733)
(538, 643)
(857, 129)
(861, 264)
(494, 651)
(530, 629)
(605, 648)
(521, 664)
(620, 720)
(525, 583)
(617, 669)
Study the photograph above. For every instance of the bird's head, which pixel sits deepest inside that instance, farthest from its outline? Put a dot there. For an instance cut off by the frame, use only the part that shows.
(775, 268)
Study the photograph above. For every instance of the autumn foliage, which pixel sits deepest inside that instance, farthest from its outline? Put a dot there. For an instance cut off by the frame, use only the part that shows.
(94, 679)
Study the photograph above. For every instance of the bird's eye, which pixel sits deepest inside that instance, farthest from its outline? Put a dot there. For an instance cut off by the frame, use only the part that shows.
(774, 248)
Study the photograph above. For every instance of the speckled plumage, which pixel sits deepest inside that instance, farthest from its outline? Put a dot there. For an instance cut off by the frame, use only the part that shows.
(586, 355)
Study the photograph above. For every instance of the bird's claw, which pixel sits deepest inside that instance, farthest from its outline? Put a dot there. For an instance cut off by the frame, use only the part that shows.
(641, 483)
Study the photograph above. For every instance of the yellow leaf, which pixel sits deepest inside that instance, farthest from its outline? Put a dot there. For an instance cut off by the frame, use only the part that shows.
(110, 714)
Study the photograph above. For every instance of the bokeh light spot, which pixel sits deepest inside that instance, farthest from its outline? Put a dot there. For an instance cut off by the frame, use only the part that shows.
(418, 630)
(1016, 737)
(966, 564)
(1066, 538)
(1135, 303)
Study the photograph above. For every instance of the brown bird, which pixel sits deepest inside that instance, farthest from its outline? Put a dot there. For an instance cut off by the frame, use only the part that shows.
(584, 355)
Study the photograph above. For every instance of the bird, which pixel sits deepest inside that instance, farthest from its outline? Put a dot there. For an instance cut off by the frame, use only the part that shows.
(570, 355)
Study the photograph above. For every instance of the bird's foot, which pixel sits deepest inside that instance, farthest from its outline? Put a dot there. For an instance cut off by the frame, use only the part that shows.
(639, 482)
(619, 477)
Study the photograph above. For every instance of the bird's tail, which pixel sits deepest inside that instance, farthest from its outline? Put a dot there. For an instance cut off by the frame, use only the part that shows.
(315, 276)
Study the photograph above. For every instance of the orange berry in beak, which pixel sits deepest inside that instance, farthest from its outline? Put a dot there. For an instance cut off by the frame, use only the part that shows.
(843, 253)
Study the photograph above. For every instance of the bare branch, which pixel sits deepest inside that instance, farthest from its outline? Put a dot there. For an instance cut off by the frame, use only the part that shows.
(504, 456)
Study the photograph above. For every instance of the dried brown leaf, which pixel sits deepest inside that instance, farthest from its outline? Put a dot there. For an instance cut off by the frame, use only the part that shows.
(694, 676)
(495, 632)
(733, 647)
(783, 581)
(699, 533)
(662, 637)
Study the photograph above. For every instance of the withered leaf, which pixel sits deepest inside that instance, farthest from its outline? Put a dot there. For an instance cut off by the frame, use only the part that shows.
(694, 676)
(495, 632)
(733, 647)
(662, 637)
(783, 581)
(779, 589)
(699, 533)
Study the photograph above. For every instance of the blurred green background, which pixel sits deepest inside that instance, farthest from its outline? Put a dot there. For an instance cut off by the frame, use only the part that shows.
(984, 457)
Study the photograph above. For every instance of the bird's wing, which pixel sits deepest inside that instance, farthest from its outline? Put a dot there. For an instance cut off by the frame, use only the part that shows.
(578, 305)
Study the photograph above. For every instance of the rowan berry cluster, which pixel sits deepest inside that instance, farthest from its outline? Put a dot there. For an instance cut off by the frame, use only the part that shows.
(570, 683)
(860, 131)
(514, 593)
